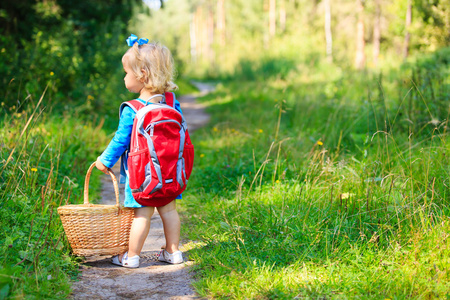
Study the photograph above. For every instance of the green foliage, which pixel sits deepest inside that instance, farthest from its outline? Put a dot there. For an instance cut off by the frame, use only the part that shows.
(324, 188)
(74, 48)
(265, 69)
(185, 87)
(42, 166)
(432, 28)
(205, 46)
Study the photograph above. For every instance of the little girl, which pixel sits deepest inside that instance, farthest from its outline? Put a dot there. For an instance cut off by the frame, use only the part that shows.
(149, 72)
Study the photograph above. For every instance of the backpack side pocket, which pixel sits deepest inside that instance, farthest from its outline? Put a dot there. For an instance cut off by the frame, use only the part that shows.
(188, 155)
(139, 170)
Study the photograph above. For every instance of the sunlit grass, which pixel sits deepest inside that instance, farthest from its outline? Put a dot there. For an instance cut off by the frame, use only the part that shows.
(42, 165)
(322, 196)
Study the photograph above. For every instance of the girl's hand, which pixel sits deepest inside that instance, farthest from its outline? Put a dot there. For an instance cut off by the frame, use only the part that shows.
(101, 166)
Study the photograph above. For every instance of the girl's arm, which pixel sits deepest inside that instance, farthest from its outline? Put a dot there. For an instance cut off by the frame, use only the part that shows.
(101, 166)
(119, 143)
(178, 106)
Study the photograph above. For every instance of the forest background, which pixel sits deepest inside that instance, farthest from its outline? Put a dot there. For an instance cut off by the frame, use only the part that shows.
(324, 171)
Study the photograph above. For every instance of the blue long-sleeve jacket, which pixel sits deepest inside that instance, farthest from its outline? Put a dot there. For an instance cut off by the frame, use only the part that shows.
(119, 144)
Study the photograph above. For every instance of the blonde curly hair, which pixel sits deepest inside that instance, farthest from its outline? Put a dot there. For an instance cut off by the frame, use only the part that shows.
(152, 64)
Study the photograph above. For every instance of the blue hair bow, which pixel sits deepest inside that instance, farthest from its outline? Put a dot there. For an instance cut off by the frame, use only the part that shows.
(132, 39)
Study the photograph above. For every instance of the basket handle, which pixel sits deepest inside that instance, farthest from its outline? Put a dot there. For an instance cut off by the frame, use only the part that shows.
(86, 184)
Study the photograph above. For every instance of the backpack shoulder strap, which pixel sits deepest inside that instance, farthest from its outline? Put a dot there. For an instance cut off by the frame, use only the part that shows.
(170, 99)
(135, 105)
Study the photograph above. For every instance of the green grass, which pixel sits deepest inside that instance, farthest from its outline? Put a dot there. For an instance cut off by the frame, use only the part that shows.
(184, 87)
(43, 161)
(336, 189)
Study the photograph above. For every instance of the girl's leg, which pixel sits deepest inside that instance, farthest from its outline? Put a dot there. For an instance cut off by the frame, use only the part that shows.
(139, 229)
(172, 225)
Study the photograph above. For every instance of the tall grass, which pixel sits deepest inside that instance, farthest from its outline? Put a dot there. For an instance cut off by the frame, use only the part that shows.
(331, 189)
(43, 159)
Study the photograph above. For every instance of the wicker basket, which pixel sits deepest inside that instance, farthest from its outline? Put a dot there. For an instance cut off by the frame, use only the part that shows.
(97, 229)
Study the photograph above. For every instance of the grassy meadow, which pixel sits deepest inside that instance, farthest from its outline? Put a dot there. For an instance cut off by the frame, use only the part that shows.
(324, 184)
(43, 160)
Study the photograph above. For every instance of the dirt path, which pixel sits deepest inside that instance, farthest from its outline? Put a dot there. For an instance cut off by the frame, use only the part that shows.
(152, 280)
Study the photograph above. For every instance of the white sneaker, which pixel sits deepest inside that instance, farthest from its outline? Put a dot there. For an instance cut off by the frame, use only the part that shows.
(127, 262)
(171, 258)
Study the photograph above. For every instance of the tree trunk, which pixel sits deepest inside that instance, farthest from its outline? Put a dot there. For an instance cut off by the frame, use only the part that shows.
(193, 38)
(377, 32)
(328, 36)
(199, 33)
(282, 15)
(407, 26)
(221, 22)
(272, 17)
(210, 36)
(360, 58)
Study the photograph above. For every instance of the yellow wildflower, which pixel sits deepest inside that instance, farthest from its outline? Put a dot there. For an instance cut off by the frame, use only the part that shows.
(90, 97)
(51, 73)
(33, 170)
(202, 155)
(346, 195)
(260, 131)
(215, 129)
(319, 143)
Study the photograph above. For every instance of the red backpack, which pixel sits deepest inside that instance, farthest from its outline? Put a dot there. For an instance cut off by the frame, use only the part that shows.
(161, 154)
